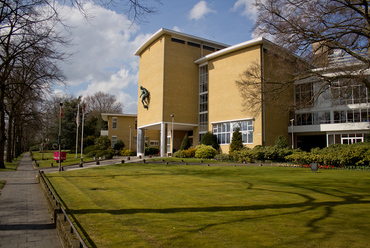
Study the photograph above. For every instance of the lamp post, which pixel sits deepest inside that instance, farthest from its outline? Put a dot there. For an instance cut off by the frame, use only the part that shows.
(173, 118)
(60, 134)
(292, 121)
(130, 140)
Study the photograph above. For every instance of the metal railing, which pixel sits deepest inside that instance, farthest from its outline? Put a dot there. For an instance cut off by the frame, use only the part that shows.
(343, 58)
(66, 218)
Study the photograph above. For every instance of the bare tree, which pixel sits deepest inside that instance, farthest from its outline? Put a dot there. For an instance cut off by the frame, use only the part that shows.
(102, 102)
(331, 36)
(27, 30)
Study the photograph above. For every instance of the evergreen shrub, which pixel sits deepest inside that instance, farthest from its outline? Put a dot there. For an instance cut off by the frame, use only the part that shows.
(190, 153)
(204, 151)
(151, 150)
(209, 139)
(185, 143)
(127, 152)
(236, 141)
(179, 154)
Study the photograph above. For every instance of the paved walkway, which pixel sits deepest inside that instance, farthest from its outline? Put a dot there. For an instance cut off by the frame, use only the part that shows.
(24, 217)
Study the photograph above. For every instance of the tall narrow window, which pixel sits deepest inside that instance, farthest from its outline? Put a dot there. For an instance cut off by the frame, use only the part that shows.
(203, 100)
(114, 122)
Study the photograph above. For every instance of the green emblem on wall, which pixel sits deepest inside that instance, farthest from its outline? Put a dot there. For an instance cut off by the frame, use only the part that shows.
(144, 97)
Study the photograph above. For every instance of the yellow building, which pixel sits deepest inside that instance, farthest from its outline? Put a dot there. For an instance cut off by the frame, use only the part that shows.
(187, 86)
(124, 127)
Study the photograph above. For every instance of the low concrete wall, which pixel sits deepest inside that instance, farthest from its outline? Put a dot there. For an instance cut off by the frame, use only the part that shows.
(68, 238)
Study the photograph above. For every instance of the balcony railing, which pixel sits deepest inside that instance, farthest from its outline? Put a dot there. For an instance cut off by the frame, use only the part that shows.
(341, 58)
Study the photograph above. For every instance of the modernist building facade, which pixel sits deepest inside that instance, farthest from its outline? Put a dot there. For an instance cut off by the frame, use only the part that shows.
(187, 85)
(339, 114)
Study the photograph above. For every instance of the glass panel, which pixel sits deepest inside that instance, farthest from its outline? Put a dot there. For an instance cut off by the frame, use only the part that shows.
(228, 127)
(316, 118)
(245, 137)
(250, 137)
(357, 115)
(214, 129)
(350, 116)
(364, 115)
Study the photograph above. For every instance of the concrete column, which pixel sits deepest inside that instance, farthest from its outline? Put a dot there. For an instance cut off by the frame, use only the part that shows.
(163, 140)
(140, 142)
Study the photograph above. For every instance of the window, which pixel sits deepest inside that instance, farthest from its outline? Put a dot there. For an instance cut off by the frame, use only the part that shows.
(178, 40)
(203, 100)
(114, 140)
(154, 143)
(304, 95)
(114, 123)
(193, 44)
(351, 115)
(224, 131)
(208, 48)
(203, 103)
(347, 91)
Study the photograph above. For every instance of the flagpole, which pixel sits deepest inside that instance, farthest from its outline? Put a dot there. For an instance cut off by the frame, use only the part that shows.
(82, 132)
(77, 122)
(59, 136)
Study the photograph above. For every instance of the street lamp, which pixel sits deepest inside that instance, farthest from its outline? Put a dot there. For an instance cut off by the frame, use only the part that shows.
(173, 118)
(130, 140)
(292, 120)
(60, 135)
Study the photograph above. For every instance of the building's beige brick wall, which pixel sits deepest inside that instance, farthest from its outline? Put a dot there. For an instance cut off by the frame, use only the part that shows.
(225, 102)
(181, 82)
(123, 130)
(151, 77)
(277, 110)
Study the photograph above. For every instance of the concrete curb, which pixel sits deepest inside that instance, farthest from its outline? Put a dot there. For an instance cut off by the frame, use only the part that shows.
(67, 235)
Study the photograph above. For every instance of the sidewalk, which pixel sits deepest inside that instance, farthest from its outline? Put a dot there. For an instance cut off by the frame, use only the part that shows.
(24, 217)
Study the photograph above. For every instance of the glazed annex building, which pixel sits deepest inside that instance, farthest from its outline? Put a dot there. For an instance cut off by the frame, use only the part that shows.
(187, 86)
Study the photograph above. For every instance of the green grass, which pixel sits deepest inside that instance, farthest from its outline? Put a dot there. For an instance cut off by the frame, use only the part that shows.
(14, 165)
(2, 183)
(45, 160)
(144, 205)
(188, 160)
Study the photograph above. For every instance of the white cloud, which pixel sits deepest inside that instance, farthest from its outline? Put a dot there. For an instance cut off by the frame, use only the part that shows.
(176, 28)
(248, 9)
(200, 10)
(103, 59)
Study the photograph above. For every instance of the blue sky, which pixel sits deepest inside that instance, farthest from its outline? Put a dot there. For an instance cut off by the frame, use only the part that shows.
(103, 45)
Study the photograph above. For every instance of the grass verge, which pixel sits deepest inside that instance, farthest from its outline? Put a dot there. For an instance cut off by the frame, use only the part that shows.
(45, 160)
(146, 205)
(13, 165)
(2, 183)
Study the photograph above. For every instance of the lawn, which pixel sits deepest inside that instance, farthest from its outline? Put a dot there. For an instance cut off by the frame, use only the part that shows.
(146, 205)
(45, 160)
(13, 165)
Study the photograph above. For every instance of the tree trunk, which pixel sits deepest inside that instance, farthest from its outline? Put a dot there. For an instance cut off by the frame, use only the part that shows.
(9, 146)
(2, 126)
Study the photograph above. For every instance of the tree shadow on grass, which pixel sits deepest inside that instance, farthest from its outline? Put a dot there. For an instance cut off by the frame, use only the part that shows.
(308, 204)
